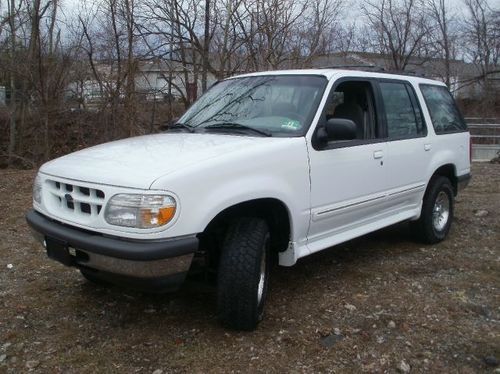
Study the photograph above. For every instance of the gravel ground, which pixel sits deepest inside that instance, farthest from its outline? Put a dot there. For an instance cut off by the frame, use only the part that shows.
(380, 303)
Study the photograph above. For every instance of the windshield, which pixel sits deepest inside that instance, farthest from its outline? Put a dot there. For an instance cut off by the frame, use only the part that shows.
(282, 105)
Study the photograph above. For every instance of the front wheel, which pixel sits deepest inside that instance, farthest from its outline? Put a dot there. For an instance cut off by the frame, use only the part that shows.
(437, 212)
(243, 274)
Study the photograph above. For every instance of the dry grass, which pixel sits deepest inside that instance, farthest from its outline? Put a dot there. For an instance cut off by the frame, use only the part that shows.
(444, 301)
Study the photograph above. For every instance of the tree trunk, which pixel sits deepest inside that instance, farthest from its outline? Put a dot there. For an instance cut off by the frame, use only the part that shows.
(130, 110)
(13, 93)
(204, 71)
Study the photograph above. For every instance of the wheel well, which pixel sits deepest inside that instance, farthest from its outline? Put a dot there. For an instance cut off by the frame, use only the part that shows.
(448, 171)
(272, 210)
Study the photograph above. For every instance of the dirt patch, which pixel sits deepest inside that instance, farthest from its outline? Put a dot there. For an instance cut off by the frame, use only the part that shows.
(379, 303)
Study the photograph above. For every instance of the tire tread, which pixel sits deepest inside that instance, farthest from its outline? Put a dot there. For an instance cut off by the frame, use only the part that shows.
(423, 228)
(239, 266)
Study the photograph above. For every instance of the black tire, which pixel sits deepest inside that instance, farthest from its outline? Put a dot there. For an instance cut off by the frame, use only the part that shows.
(92, 278)
(245, 252)
(432, 227)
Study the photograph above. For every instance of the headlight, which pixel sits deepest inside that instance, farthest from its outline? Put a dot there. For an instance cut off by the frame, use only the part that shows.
(37, 189)
(140, 211)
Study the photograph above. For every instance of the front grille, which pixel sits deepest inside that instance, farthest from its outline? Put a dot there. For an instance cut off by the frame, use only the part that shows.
(75, 199)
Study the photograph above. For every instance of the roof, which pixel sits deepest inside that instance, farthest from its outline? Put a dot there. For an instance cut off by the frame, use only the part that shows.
(329, 73)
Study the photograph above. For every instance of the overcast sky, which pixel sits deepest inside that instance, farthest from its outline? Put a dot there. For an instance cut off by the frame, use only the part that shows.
(352, 8)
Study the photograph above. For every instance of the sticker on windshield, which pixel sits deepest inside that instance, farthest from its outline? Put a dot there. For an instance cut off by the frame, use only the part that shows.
(291, 124)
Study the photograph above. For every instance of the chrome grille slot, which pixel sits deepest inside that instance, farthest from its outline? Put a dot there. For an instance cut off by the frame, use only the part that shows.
(75, 200)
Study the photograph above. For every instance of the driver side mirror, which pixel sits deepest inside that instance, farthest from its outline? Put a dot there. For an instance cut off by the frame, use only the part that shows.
(340, 129)
(335, 129)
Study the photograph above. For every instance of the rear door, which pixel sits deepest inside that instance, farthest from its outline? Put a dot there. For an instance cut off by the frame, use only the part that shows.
(408, 149)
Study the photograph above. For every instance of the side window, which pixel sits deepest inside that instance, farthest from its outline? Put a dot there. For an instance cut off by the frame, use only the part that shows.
(404, 119)
(354, 100)
(444, 113)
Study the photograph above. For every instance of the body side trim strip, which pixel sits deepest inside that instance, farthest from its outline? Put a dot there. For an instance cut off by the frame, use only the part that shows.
(370, 200)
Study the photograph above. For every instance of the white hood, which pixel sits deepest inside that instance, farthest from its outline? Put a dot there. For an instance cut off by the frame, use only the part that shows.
(138, 162)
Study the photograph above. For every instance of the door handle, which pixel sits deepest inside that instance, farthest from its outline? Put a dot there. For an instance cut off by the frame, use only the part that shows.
(427, 147)
(378, 154)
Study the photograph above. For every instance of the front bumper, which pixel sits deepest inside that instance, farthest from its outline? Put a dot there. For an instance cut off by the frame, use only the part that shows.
(152, 265)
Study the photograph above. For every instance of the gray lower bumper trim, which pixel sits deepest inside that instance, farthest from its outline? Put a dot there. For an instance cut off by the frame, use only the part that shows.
(137, 269)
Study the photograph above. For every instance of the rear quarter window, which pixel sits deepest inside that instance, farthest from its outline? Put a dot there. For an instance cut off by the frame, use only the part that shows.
(444, 113)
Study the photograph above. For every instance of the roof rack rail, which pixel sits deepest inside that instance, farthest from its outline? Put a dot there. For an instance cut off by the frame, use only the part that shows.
(374, 68)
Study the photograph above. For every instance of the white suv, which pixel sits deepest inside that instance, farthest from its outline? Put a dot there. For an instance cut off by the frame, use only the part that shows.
(274, 164)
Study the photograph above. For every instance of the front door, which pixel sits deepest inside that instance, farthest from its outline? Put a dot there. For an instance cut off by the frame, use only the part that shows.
(348, 178)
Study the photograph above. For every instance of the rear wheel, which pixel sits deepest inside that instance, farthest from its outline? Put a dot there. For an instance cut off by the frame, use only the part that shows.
(243, 274)
(437, 212)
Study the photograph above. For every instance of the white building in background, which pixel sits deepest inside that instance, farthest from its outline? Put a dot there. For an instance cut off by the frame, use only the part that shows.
(153, 77)
(154, 81)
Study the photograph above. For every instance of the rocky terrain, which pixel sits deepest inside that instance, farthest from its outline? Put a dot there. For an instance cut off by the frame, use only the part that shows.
(381, 303)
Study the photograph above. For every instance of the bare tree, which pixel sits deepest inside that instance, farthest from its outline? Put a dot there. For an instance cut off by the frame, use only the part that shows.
(445, 39)
(229, 45)
(318, 32)
(128, 10)
(171, 33)
(47, 69)
(275, 22)
(12, 17)
(230, 36)
(102, 65)
(206, 46)
(482, 35)
(401, 27)
(110, 36)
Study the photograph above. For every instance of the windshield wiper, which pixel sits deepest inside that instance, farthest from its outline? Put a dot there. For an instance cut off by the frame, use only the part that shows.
(238, 126)
(180, 125)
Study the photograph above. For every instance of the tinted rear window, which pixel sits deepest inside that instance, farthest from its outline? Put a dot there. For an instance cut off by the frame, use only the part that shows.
(444, 113)
(403, 119)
